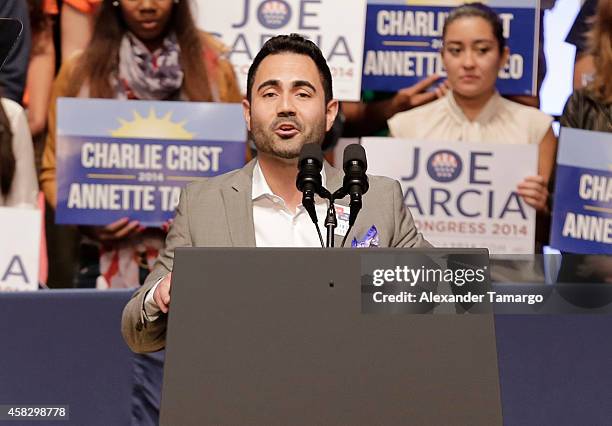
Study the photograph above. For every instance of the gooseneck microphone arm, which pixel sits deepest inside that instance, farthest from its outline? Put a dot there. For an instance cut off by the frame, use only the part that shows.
(309, 181)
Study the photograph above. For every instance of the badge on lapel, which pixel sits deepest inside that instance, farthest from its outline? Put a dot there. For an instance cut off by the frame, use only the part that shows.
(342, 215)
(370, 239)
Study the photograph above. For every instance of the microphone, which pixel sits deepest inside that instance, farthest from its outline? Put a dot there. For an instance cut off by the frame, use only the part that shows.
(309, 180)
(355, 179)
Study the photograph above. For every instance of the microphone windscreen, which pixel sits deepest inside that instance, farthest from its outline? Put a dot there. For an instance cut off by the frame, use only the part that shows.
(311, 150)
(355, 152)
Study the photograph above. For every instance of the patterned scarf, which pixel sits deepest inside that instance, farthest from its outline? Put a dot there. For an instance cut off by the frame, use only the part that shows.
(146, 76)
(149, 76)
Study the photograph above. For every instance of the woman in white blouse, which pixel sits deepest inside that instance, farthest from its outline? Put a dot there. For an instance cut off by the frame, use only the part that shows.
(18, 181)
(473, 111)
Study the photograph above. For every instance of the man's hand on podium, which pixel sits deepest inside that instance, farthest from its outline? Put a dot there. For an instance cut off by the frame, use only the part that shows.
(162, 293)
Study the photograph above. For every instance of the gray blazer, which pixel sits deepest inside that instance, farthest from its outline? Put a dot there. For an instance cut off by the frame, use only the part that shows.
(218, 212)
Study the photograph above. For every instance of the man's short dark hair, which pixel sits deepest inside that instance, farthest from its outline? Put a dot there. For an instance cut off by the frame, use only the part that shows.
(292, 43)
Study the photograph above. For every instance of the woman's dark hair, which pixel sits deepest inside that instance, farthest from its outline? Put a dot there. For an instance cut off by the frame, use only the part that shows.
(7, 157)
(101, 57)
(600, 46)
(293, 43)
(39, 21)
(478, 10)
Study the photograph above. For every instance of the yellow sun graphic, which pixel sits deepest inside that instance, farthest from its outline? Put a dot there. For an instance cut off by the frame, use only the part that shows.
(152, 127)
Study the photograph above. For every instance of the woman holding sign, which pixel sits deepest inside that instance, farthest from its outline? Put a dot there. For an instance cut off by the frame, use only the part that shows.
(473, 52)
(590, 108)
(140, 49)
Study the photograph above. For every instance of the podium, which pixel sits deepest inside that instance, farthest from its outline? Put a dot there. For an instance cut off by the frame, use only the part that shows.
(277, 336)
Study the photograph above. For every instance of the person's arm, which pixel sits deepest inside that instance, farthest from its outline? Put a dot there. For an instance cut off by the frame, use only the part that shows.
(149, 336)
(24, 188)
(76, 30)
(47, 177)
(547, 155)
(528, 100)
(534, 189)
(40, 78)
(583, 62)
(368, 118)
(573, 111)
(584, 68)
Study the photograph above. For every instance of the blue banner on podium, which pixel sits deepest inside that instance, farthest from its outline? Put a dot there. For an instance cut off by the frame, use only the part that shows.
(131, 158)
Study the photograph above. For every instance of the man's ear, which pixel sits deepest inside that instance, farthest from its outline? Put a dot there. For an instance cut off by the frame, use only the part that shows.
(330, 113)
(246, 110)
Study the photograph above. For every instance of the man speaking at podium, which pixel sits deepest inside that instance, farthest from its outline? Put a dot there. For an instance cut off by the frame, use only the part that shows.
(289, 103)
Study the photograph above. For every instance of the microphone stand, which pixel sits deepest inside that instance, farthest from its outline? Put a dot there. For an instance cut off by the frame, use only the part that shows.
(331, 222)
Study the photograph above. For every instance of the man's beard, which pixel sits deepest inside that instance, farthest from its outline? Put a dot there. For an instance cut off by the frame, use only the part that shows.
(269, 142)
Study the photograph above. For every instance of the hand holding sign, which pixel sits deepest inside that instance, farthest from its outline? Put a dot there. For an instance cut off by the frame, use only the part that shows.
(417, 94)
(120, 229)
(364, 118)
(534, 190)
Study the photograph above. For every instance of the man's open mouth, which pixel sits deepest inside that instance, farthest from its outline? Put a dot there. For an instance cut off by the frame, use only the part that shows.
(286, 130)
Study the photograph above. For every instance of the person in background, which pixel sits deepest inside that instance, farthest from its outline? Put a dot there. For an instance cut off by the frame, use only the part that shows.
(77, 24)
(583, 62)
(135, 44)
(590, 107)
(370, 116)
(13, 73)
(473, 111)
(18, 182)
(41, 70)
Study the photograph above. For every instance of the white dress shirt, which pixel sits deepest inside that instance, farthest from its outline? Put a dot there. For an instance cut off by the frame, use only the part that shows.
(275, 225)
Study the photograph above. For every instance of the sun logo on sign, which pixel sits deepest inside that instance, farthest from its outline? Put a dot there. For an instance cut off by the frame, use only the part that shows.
(274, 14)
(152, 127)
(444, 166)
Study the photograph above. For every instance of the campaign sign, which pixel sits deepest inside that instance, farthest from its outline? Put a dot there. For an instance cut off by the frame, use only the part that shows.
(131, 158)
(404, 38)
(19, 249)
(336, 26)
(582, 209)
(462, 194)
